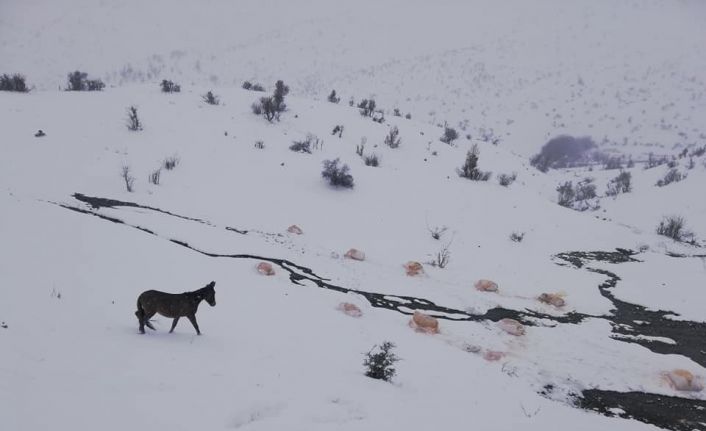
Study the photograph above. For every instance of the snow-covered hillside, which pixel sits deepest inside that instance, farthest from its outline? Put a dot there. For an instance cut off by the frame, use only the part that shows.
(628, 73)
(277, 352)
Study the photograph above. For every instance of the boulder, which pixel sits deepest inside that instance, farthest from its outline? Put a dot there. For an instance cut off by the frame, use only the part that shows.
(512, 327)
(683, 380)
(350, 309)
(413, 268)
(295, 229)
(493, 355)
(265, 268)
(354, 254)
(486, 286)
(424, 323)
(552, 299)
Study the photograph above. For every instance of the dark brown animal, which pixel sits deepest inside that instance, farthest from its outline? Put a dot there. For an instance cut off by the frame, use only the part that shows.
(173, 305)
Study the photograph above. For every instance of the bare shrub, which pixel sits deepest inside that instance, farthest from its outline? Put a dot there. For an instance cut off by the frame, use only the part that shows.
(338, 130)
(672, 176)
(449, 136)
(408, 116)
(442, 258)
(127, 178)
(359, 149)
(171, 162)
(653, 161)
(675, 227)
(470, 169)
(211, 98)
(170, 87)
(613, 163)
(303, 146)
(133, 121)
(437, 231)
(154, 177)
(271, 107)
(371, 160)
(578, 197)
(393, 139)
(259, 145)
(380, 365)
(336, 175)
(256, 108)
(505, 180)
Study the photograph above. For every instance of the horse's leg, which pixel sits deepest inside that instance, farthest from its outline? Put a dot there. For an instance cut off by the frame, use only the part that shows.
(192, 319)
(174, 323)
(146, 319)
(140, 317)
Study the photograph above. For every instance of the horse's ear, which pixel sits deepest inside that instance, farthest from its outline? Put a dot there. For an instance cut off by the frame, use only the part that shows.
(212, 284)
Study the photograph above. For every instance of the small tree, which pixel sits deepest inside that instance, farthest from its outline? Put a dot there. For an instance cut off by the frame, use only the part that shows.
(333, 98)
(281, 90)
(336, 175)
(393, 139)
(210, 98)
(450, 135)
(133, 121)
(380, 365)
(129, 179)
(470, 169)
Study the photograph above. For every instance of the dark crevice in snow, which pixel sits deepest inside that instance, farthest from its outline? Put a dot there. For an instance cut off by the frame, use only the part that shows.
(637, 322)
(672, 413)
(298, 274)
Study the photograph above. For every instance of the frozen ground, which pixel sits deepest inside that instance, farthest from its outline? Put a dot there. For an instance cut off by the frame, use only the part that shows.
(276, 354)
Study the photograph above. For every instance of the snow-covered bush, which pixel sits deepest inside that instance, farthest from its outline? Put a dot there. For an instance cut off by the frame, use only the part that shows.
(127, 178)
(380, 363)
(653, 161)
(620, 184)
(371, 160)
(133, 121)
(247, 85)
(170, 87)
(367, 107)
(505, 180)
(78, 81)
(470, 169)
(672, 176)
(675, 227)
(15, 82)
(517, 236)
(613, 163)
(303, 146)
(393, 139)
(336, 175)
(578, 197)
(170, 162)
(211, 98)
(271, 107)
(450, 135)
(437, 231)
(333, 98)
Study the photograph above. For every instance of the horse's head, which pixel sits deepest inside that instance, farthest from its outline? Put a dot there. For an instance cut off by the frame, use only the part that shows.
(210, 293)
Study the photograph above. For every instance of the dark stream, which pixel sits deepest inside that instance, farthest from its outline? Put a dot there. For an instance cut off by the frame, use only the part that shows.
(674, 413)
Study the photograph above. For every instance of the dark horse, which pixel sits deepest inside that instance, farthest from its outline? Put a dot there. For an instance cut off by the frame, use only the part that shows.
(173, 305)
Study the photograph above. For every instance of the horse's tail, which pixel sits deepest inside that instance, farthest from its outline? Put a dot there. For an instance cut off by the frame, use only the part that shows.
(140, 313)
